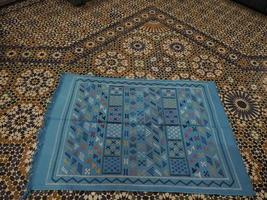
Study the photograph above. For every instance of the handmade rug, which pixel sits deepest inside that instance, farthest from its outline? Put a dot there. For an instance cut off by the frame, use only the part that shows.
(138, 135)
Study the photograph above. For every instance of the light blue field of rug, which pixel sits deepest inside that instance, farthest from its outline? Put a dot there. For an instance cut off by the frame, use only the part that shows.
(104, 134)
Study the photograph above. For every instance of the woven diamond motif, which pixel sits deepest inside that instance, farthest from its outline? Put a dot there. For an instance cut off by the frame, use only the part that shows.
(114, 130)
(115, 114)
(176, 148)
(171, 116)
(113, 147)
(179, 167)
(192, 107)
(112, 165)
(173, 132)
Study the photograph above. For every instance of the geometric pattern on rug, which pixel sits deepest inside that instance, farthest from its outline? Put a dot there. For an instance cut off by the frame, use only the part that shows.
(118, 134)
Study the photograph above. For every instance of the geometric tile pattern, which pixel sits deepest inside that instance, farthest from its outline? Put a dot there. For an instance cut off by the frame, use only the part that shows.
(112, 147)
(173, 132)
(114, 130)
(152, 144)
(45, 47)
(111, 165)
(178, 167)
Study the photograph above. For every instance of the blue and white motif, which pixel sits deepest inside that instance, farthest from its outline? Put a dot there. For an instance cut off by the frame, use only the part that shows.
(115, 134)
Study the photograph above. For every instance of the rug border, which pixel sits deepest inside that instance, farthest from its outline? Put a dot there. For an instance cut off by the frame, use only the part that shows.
(41, 135)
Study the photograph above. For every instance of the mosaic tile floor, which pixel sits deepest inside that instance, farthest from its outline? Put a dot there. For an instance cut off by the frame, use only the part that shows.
(153, 39)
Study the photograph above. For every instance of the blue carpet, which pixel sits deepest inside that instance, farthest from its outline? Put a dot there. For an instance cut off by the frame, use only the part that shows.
(138, 135)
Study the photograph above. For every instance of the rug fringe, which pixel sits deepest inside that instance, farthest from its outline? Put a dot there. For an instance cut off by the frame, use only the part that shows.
(40, 138)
